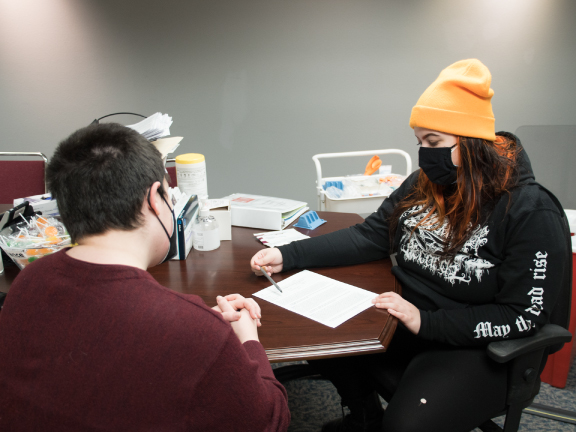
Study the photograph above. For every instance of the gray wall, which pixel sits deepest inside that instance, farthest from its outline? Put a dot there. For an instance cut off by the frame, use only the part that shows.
(259, 86)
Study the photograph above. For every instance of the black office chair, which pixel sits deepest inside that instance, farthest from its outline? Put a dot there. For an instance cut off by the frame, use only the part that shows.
(525, 357)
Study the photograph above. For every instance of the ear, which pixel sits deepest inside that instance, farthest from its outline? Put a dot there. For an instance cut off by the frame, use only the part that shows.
(155, 198)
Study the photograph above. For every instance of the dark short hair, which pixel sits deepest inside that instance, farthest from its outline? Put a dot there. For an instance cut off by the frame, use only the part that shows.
(100, 176)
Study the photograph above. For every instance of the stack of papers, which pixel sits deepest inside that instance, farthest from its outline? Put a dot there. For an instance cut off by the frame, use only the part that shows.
(291, 216)
(154, 127)
(279, 238)
(319, 298)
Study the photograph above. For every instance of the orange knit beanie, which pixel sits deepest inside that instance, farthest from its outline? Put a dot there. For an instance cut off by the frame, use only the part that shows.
(458, 102)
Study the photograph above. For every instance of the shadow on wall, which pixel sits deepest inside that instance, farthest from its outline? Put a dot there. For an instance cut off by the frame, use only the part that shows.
(553, 155)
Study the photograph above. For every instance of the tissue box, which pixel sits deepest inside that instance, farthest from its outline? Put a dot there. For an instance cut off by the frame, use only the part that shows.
(222, 212)
(185, 218)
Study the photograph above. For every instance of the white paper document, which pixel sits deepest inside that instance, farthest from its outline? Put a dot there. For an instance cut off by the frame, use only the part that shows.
(319, 298)
(279, 238)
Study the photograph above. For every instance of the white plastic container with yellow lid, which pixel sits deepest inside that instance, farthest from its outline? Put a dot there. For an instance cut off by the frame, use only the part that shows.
(191, 174)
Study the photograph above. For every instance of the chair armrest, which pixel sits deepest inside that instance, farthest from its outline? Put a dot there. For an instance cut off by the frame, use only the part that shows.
(550, 334)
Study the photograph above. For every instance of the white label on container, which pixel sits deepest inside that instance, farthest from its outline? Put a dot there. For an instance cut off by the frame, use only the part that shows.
(385, 170)
(206, 240)
(192, 178)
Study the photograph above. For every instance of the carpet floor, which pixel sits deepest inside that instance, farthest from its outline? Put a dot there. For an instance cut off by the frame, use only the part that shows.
(313, 402)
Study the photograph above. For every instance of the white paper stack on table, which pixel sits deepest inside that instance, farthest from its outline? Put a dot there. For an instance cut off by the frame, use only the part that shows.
(153, 127)
(279, 238)
(320, 298)
(256, 211)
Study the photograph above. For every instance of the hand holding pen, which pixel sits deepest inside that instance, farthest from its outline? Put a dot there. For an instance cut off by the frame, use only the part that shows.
(269, 258)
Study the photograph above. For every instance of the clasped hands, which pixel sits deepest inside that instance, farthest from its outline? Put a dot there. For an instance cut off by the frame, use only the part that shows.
(232, 306)
(243, 315)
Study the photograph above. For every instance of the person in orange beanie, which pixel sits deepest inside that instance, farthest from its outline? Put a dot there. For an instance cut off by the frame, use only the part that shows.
(481, 251)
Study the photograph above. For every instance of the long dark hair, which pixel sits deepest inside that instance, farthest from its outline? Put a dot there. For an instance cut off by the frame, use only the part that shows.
(487, 170)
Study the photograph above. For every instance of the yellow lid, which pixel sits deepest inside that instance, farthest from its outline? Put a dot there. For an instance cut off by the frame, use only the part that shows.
(190, 158)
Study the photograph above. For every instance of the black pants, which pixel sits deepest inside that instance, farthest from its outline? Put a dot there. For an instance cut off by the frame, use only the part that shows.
(428, 386)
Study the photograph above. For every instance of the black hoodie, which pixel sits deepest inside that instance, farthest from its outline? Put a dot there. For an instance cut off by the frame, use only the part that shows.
(502, 284)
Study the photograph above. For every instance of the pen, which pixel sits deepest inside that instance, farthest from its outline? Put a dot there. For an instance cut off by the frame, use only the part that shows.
(269, 278)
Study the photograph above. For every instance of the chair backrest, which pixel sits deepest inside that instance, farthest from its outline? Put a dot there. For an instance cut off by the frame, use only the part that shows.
(172, 172)
(21, 178)
(561, 313)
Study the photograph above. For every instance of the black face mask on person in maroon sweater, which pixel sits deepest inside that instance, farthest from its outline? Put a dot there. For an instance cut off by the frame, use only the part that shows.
(171, 238)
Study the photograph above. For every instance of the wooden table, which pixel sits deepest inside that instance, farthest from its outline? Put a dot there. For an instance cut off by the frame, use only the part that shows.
(285, 335)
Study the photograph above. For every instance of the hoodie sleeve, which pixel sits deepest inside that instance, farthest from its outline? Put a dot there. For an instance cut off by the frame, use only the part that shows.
(530, 277)
(368, 241)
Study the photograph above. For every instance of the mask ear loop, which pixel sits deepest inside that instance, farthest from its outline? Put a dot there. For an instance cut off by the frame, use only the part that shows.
(454, 148)
(171, 210)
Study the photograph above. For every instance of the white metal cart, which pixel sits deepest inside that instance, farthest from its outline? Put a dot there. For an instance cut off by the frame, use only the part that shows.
(351, 205)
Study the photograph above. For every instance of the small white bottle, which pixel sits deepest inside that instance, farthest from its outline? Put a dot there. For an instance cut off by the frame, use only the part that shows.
(206, 233)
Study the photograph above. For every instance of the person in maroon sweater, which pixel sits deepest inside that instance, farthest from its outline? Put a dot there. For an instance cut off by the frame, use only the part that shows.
(89, 341)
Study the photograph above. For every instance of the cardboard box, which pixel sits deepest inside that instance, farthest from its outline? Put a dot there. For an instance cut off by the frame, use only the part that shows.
(222, 212)
(184, 224)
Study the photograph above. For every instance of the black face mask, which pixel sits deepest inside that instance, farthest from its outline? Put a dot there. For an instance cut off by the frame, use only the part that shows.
(437, 164)
(172, 238)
